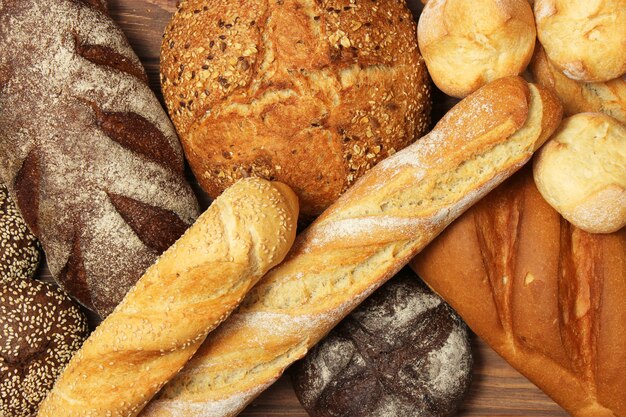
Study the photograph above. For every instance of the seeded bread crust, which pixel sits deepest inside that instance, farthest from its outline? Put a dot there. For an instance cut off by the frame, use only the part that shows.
(310, 93)
(41, 328)
(87, 152)
(19, 249)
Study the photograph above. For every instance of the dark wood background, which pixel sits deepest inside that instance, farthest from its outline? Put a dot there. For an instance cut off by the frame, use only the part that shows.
(497, 389)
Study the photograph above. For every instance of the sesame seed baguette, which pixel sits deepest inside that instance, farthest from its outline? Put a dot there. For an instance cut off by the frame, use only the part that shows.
(361, 241)
(191, 288)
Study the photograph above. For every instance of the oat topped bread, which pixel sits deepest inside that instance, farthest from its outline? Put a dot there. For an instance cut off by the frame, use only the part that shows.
(312, 94)
(86, 151)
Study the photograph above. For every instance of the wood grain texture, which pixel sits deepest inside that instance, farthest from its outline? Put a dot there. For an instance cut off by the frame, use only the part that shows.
(497, 389)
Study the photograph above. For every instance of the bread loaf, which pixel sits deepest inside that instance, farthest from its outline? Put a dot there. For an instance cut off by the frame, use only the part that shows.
(585, 39)
(19, 249)
(312, 94)
(578, 97)
(191, 288)
(467, 44)
(402, 353)
(581, 172)
(86, 150)
(548, 297)
(41, 329)
(361, 241)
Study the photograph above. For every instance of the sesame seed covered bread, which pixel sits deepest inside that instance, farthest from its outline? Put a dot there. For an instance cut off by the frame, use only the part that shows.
(361, 241)
(577, 97)
(585, 39)
(86, 151)
(548, 297)
(310, 93)
(19, 249)
(41, 328)
(191, 288)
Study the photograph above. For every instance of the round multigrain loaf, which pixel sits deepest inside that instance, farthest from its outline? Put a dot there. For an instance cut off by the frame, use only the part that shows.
(19, 249)
(578, 97)
(308, 93)
(468, 44)
(403, 353)
(581, 172)
(586, 39)
(41, 330)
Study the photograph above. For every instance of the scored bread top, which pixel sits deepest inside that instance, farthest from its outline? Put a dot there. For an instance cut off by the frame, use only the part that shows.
(88, 154)
(309, 93)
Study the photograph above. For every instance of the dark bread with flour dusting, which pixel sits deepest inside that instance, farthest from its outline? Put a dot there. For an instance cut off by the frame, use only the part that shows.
(403, 353)
(86, 150)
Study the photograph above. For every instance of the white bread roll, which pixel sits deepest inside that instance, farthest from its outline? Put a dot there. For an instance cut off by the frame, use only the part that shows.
(581, 172)
(468, 44)
(586, 39)
(579, 97)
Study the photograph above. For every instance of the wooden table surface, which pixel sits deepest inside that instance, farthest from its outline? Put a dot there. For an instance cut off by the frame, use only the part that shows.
(497, 389)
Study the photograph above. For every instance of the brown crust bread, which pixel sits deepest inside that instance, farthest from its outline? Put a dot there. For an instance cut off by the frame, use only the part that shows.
(165, 317)
(360, 242)
(19, 249)
(546, 296)
(87, 152)
(578, 97)
(41, 328)
(312, 94)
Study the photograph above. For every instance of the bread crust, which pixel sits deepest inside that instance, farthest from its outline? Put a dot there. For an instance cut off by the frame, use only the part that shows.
(360, 242)
(585, 39)
(188, 292)
(549, 298)
(309, 93)
(86, 151)
(578, 97)
(468, 44)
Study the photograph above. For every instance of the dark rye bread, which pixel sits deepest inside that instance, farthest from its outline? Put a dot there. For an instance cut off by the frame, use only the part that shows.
(19, 249)
(403, 353)
(40, 329)
(86, 150)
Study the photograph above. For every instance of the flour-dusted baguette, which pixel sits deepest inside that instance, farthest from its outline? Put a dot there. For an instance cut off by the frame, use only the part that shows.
(191, 288)
(548, 297)
(86, 151)
(360, 242)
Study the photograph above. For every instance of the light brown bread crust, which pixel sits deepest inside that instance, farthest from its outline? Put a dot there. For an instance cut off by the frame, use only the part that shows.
(577, 97)
(546, 296)
(87, 152)
(361, 241)
(191, 288)
(310, 93)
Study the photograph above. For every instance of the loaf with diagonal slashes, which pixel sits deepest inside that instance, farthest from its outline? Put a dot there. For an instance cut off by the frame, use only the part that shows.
(86, 151)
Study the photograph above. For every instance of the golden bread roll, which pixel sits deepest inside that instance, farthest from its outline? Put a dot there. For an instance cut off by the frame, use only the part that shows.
(467, 44)
(308, 93)
(577, 97)
(585, 39)
(361, 241)
(548, 297)
(581, 172)
(165, 317)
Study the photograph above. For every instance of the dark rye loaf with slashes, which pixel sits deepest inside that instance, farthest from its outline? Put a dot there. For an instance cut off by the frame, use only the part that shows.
(86, 150)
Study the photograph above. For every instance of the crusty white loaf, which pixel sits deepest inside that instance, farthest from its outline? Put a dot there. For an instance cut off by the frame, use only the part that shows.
(361, 241)
(585, 39)
(191, 288)
(577, 97)
(581, 172)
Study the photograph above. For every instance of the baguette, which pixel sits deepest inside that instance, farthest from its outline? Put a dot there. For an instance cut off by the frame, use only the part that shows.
(362, 240)
(164, 319)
